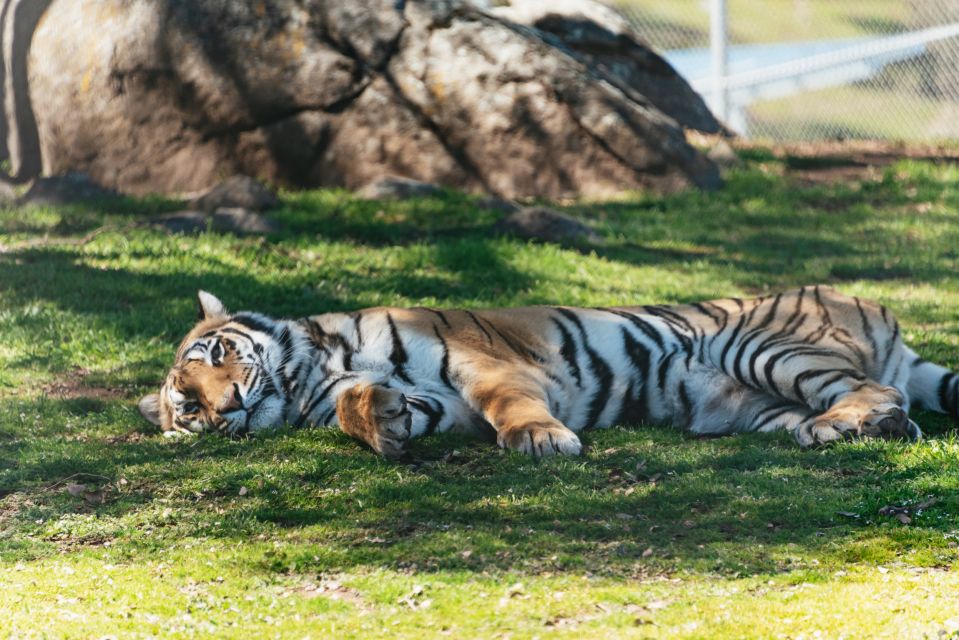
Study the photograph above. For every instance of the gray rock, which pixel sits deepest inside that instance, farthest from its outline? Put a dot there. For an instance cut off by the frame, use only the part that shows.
(8, 195)
(725, 157)
(242, 221)
(69, 188)
(225, 220)
(492, 203)
(546, 225)
(182, 221)
(605, 40)
(237, 192)
(172, 94)
(396, 188)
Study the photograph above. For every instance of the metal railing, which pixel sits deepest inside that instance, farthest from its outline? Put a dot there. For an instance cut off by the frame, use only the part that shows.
(812, 69)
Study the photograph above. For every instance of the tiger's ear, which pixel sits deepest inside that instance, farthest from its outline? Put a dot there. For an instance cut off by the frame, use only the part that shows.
(209, 306)
(149, 407)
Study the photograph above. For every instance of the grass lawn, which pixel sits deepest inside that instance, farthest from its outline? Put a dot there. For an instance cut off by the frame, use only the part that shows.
(879, 114)
(108, 529)
(679, 24)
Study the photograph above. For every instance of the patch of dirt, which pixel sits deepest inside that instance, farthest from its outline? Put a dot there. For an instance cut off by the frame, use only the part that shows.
(328, 587)
(133, 437)
(72, 386)
(830, 162)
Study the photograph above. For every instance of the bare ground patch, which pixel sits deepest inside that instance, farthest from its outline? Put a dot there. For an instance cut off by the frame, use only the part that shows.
(72, 385)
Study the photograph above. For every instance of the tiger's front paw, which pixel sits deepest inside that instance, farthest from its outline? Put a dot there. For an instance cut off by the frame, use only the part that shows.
(378, 416)
(392, 422)
(540, 439)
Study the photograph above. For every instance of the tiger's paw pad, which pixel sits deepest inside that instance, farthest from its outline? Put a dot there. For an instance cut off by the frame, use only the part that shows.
(540, 439)
(886, 420)
(824, 430)
(889, 421)
(393, 422)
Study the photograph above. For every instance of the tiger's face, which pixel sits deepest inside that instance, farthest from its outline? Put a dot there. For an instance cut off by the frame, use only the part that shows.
(221, 380)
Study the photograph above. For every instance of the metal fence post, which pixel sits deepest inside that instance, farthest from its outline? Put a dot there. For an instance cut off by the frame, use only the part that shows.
(718, 38)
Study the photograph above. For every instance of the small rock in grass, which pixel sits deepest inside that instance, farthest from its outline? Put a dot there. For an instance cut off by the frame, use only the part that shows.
(546, 225)
(224, 220)
(68, 188)
(725, 156)
(492, 203)
(8, 194)
(181, 221)
(237, 192)
(397, 188)
(240, 220)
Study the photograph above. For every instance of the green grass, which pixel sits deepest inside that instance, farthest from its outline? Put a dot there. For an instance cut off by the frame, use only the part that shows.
(302, 533)
(685, 23)
(880, 114)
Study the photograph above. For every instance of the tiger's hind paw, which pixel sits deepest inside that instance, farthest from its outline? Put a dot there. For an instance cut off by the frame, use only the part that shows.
(540, 439)
(887, 421)
(392, 421)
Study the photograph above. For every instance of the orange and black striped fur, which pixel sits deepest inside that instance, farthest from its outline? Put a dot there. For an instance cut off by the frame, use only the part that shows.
(819, 364)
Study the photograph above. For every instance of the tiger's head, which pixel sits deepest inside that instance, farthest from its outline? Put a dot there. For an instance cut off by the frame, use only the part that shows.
(222, 379)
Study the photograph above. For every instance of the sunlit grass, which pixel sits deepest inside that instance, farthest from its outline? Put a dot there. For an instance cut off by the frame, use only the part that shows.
(303, 533)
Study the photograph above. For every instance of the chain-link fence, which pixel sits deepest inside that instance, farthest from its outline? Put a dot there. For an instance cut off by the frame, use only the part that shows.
(818, 69)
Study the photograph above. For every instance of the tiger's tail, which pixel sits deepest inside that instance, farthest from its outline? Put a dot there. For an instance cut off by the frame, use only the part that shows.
(931, 386)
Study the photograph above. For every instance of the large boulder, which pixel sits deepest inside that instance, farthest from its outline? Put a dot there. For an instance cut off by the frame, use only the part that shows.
(604, 39)
(173, 95)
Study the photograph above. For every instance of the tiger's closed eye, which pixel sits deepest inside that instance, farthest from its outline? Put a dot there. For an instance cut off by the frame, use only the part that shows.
(216, 353)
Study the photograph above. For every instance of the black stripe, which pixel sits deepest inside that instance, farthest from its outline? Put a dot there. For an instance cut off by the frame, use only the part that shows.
(702, 309)
(252, 322)
(328, 418)
(730, 341)
(867, 329)
(569, 352)
(946, 401)
(305, 414)
(438, 314)
(806, 376)
(845, 338)
(445, 363)
(517, 346)
(748, 337)
(398, 355)
(725, 319)
(635, 407)
(688, 409)
(668, 317)
(890, 348)
(599, 368)
(770, 366)
(434, 414)
(826, 318)
(236, 332)
(357, 319)
(836, 377)
(778, 412)
(476, 321)
(648, 330)
(664, 361)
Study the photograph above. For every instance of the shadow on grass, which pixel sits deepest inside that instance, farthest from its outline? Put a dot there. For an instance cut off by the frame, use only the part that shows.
(642, 501)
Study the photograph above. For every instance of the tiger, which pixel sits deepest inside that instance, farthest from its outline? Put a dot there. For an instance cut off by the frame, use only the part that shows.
(813, 362)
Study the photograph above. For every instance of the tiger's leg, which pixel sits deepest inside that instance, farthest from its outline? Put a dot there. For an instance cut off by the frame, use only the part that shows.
(517, 408)
(868, 410)
(828, 381)
(376, 415)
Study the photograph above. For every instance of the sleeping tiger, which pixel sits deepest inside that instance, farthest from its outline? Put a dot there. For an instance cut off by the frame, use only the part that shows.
(813, 362)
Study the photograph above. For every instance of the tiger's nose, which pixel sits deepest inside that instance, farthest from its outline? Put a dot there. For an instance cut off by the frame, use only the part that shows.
(235, 400)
